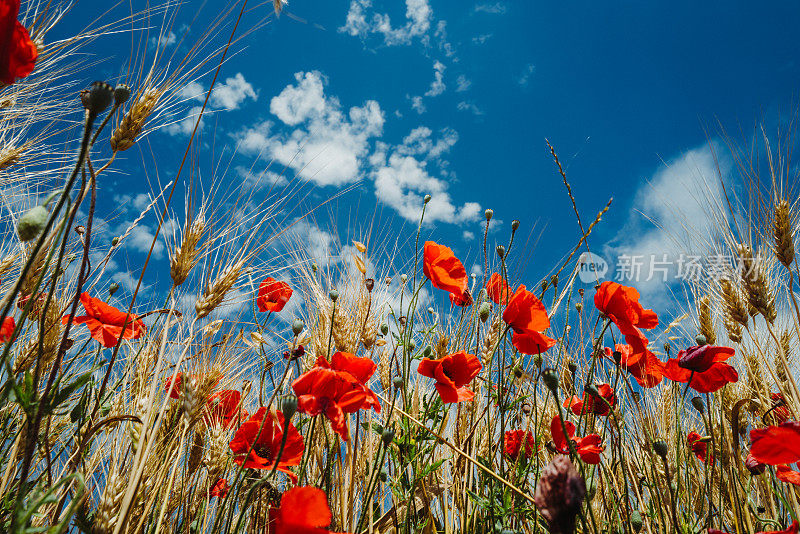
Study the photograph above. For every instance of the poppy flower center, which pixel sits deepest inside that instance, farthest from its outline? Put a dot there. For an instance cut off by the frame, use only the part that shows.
(263, 451)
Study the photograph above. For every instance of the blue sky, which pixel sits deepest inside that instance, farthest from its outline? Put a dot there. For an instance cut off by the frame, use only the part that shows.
(398, 99)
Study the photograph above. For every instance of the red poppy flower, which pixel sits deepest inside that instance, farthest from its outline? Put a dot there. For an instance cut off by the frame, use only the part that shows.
(716, 376)
(222, 408)
(621, 304)
(497, 288)
(592, 403)
(776, 445)
(754, 466)
(513, 443)
(7, 329)
(699, 447)
(461, 299)
(220, 489)
(588, 448)
(642, 364)
(361, 369)
(17, 52)
(303, 510)
(452, 374)
(267, 443)
(528, 318)
(272, 295)
(791, 529)
(443, 269)
(331, 393)
(701, 359)
(107, 323)
(787, 474)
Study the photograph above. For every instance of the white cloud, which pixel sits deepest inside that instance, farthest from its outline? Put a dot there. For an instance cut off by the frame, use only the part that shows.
(469, 106)
(402, 179)
(164, 40)
(185, 125)
(676, 212)
(362, 21)
(417, 104)
(498, 8)
(329, 145)
(437, 85)
(232, 92)
(462, 84)
(526, 75)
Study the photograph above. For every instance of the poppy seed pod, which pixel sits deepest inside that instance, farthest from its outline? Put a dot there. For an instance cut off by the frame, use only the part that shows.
(121, 94)
(384, 329)
(334, 295)
(297, 327)
(501, 251)
(113, 288)
(397, 382)
(700, 339)
(98, 97)
(578, 307)
(427, 199)
(697, 402)
(572, 366)
(484, 311)
(660, 448)
(387, 436)
(369, 283)
(289, 406)
(426, 352)
(560, 494)
(550, 379)
(554, 280)
(115, 241)
(32, 223)
(488, 214)
(403, 279)
(636, 521)
(514, 225)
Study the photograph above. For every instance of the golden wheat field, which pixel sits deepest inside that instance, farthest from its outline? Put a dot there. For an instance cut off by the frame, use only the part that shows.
(259, 392)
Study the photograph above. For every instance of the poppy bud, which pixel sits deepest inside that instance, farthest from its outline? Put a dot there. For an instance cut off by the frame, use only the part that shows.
(427, 199)
(660, 448)
(501, 251)
(32, 223)
(550, 379)
(518, 372)
(617, 355)
(488, 214)
(754, 466)
(697, 402)
(98, 97)
(369, 283)
(426, 352)
(514, 225)
(80, 229)
(700, 339)
(387, 436)
(113, 288)
(115, 241)
(578, 307)
(544, 285)
(592, 390)
(314, 267)
(121, 94)
(297, 327)
(538, 360)
(636, 521)
(383, 475)
(403, 279)
(636, 396)
(560, 493)
(334, 295)
(572, 366)
(526, 408)
(289, 406)
(384, 329)
(484, 311)
(397, 382)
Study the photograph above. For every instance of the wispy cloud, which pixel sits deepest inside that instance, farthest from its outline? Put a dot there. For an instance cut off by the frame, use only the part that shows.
(462, 84)
(363, 21)
(527, 73)
(497, 8)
